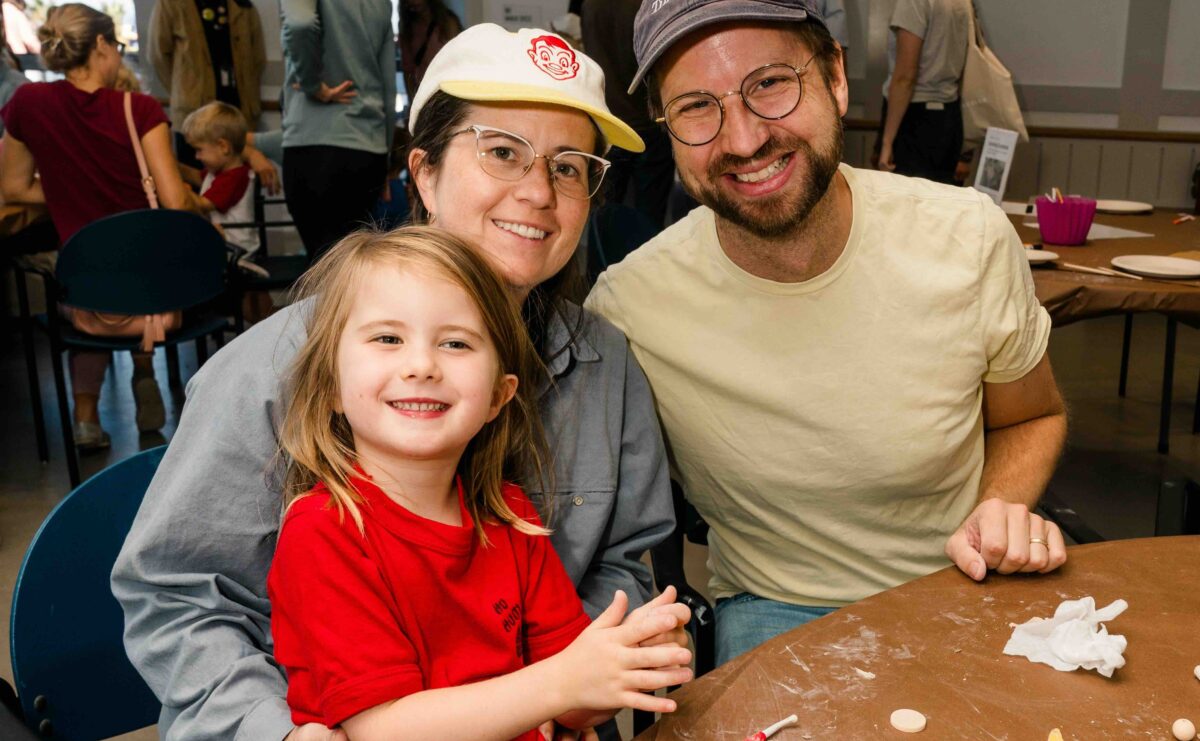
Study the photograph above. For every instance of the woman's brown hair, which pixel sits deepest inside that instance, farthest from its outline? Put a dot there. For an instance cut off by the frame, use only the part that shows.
(316, 439)
(69, 35)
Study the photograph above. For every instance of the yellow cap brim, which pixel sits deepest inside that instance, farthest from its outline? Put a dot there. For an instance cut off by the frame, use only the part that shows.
(615, 131)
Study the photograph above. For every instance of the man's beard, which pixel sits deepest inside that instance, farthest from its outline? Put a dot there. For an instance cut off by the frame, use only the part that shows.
(782, 213)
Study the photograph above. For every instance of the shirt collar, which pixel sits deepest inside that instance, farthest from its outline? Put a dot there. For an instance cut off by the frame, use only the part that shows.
(563, 349)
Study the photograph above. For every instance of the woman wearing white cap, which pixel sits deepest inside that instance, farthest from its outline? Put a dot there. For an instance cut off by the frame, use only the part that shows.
(192, 575)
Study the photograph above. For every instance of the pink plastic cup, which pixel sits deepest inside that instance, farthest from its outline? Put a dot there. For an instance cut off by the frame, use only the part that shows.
(1065, 223)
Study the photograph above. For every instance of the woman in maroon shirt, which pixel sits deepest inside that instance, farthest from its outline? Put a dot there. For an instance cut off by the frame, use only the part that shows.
(66, 144)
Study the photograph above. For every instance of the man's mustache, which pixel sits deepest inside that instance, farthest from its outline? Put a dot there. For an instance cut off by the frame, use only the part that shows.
(771, 149)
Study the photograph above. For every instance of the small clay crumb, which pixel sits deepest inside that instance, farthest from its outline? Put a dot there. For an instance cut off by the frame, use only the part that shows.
(908, 721)
(864, 674)
(1197, 671)
(1183, 729)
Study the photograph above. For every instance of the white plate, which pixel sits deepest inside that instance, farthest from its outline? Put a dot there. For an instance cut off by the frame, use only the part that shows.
(1123, 207)
(1158, 266)
(1037, 257)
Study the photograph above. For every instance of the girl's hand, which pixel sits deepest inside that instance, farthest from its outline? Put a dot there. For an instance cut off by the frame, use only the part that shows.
(665, 604)
(605, 667)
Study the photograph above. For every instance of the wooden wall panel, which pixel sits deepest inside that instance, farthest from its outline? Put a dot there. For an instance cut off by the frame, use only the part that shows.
(1083, 177)
(1115, 160)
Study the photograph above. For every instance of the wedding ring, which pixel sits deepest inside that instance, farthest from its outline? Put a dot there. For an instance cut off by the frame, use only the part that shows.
(1038, 540)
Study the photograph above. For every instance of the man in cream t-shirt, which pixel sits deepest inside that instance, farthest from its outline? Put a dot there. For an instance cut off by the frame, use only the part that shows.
(850, 366)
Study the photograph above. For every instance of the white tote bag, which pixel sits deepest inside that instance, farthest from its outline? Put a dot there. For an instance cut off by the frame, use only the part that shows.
(987, 96)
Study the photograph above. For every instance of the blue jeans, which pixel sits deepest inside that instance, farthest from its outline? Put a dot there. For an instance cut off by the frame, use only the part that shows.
(746, 620)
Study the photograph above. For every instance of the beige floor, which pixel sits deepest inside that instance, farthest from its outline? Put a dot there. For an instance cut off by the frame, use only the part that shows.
(1110, 473)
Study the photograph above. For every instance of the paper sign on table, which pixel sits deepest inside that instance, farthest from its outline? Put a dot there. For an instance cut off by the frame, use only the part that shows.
(998, 148)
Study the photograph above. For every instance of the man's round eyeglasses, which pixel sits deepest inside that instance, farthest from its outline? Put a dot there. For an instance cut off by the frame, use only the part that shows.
(507, 156)
(771, 92)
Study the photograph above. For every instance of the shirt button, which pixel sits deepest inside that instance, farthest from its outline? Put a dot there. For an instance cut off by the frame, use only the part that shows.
(578, 501)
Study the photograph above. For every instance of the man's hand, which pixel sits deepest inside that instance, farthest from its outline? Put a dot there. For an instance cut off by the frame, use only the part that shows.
(316, 732)
(1006, 538)
(264, 169)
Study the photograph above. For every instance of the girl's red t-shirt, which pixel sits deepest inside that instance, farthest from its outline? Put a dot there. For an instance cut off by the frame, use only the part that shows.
(412, 604)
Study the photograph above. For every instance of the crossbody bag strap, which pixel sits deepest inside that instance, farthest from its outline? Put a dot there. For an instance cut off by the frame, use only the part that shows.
(147, 180)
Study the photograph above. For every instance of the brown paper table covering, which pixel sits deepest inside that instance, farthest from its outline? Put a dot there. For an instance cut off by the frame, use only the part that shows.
(935, 645)
(1073, 296)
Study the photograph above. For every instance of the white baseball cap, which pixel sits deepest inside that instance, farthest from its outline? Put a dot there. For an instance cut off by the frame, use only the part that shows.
(488, 63)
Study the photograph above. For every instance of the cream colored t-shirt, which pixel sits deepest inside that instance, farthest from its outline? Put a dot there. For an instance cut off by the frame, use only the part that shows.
(830, 431)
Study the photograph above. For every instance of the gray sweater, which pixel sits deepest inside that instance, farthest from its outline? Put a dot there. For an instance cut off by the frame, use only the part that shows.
(192, 574)
(332, 41)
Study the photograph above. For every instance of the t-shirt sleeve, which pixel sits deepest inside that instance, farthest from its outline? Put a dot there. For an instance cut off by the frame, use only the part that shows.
(553, 615)
(1015, 326)
(912, 16)
(228, 188)
(336, 632)
(147, 113)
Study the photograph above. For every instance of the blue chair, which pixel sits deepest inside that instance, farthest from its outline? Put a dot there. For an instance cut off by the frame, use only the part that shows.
(137, 262)
(73, 678)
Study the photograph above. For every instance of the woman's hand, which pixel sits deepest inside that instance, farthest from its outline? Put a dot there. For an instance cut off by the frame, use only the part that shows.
(264, 169)
(316, 732)
(665, 604)
(342, 93)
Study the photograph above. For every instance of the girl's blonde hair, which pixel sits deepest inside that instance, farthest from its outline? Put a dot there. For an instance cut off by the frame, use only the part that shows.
(69, 35)
(317, 441)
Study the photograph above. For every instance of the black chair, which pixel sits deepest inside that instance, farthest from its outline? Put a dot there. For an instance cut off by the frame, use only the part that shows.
(667, 562)
(137, 262)
(284, 270)
(613, 231)
(73, 679)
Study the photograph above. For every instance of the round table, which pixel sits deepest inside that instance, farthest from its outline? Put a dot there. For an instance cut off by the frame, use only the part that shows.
(936, 645)
(1072, 296)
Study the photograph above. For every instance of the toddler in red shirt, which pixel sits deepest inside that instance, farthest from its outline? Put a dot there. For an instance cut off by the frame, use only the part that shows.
(218, 131)
(413, 588)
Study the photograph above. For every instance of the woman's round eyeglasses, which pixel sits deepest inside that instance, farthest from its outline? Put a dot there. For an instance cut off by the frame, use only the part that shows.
(771, 92)
(507, 156)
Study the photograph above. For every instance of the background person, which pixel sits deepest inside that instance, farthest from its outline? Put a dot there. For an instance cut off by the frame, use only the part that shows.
(607, 27)
(339, 100)
(921, 133)
(192, 574)
(425, 27)
(66, 144)
(205, 51)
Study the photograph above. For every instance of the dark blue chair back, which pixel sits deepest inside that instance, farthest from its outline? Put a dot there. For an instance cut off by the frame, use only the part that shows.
(71, 672)
(143, 262)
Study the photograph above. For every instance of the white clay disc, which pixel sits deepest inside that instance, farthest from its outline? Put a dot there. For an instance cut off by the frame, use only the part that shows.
(1183, 729)
(1197, 671)
(908, 721)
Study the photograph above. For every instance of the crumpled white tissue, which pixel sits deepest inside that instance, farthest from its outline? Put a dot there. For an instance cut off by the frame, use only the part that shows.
(1073, 638)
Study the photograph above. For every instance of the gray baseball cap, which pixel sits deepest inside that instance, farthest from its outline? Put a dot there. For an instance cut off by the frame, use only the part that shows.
(660, 23)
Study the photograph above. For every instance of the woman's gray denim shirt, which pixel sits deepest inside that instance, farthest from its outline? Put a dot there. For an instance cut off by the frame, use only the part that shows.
(192, 574)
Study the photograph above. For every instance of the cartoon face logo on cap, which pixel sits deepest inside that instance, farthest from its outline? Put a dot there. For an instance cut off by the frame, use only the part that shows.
(553, 56)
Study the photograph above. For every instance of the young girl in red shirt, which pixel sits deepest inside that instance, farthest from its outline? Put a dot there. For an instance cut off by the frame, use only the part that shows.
(413, 589)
